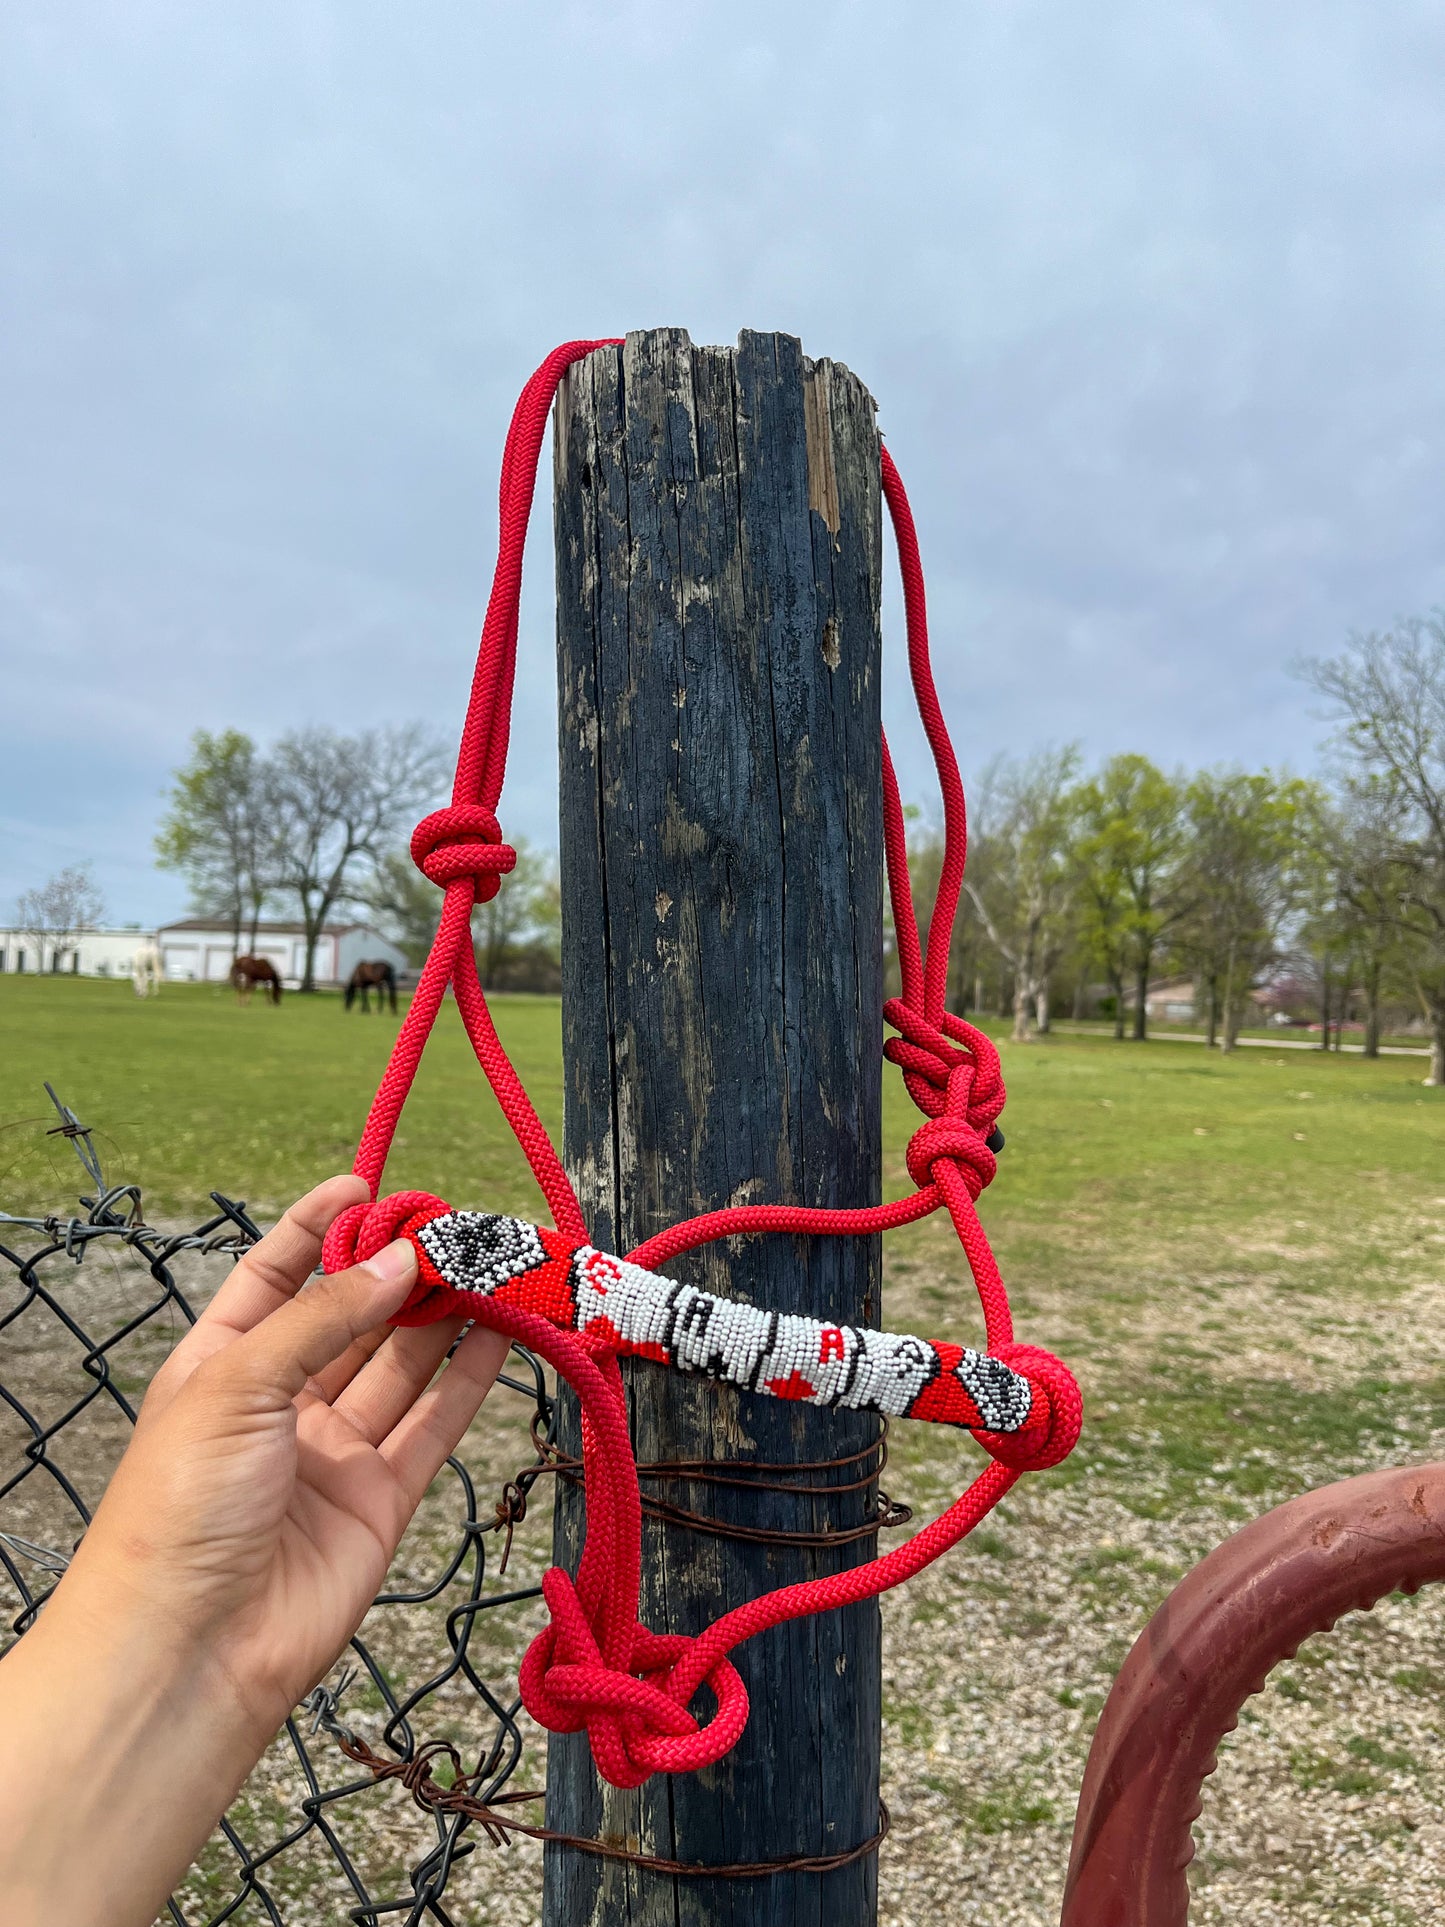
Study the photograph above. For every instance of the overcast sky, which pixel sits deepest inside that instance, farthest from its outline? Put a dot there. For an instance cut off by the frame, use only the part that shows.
(1150, 296)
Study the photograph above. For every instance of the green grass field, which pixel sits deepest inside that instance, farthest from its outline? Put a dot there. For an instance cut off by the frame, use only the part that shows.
(1242, 1257)
(191, 1090)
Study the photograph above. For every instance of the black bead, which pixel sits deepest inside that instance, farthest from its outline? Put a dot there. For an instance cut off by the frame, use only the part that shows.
(995, 1140)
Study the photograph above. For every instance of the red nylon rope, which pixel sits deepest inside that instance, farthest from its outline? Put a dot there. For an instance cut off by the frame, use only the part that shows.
(595, 1666)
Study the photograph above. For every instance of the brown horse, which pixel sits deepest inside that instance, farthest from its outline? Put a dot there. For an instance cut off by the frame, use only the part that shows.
(378, 976)
(247, 972)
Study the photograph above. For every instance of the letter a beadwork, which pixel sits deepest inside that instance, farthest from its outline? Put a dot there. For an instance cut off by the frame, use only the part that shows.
(618, 1306)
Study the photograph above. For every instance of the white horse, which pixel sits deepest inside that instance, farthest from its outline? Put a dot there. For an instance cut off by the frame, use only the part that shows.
(147, 970)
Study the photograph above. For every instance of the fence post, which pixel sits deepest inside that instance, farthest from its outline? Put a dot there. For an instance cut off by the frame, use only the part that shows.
(718, 539)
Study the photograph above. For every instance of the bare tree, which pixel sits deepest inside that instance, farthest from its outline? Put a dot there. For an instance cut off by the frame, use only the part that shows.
(525, 913)
(1356, 926)
(1025, 825)
(1387, 694)
(340, 803)
(56, 913)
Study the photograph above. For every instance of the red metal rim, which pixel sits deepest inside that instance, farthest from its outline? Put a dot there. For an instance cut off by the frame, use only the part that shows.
(1214, 1641)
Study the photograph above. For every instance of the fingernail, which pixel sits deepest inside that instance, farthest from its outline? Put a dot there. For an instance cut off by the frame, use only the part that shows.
(392, 1261)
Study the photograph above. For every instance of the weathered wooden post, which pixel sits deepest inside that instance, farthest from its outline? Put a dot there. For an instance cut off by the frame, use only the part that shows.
(718, 535)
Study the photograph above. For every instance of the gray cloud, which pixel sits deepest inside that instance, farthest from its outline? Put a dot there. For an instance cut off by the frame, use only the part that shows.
(1151, 299)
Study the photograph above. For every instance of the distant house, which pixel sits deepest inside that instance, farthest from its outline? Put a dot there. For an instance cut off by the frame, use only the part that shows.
(89, 953)
(200, 950)
(1170, 1001)
(1286, 996)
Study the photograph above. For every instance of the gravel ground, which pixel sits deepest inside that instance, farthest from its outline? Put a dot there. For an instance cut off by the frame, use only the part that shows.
(1325, 1806)
(1241, 1375)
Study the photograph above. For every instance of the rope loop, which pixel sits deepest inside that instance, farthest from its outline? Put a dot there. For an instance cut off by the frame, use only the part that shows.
(930, 1053)
(463, 840)
(635, 1726)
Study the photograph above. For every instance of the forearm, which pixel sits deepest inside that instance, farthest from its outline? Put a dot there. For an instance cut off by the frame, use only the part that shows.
(281, 1451)
(120, 1748)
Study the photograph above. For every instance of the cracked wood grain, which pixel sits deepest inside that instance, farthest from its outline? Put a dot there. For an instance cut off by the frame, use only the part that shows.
(718, 541)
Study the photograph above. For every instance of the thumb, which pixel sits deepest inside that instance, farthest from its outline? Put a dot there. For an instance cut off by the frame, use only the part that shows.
(302, 1337)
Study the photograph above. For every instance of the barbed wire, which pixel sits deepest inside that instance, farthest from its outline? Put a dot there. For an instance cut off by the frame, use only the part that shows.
(73, 1365)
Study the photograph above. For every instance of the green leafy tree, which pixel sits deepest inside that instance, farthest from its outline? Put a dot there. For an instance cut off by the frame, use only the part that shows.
(1240, 874)
(1132, 846)
(1373, 887)
(925, 866)
(1103, 897)
(525, 916)
(1326, 934)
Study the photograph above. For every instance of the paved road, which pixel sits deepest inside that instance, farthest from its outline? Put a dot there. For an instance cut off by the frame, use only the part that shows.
(1256, 1043)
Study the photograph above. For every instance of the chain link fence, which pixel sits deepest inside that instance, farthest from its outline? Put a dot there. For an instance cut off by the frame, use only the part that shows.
(372, 1804)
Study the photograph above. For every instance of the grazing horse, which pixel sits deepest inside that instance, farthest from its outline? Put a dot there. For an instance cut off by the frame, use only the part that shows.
(146, 970)
(378, 976)
(247, 972)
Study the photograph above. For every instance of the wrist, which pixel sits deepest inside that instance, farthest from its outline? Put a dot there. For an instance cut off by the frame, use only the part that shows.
(133, 1649)
(146, 1738)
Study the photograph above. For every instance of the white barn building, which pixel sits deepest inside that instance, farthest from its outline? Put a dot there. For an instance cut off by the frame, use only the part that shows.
(90, 953)
(200, 950)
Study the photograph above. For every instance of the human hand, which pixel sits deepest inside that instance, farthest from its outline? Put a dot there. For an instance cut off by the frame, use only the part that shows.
(280, 1453)
(278, 1457)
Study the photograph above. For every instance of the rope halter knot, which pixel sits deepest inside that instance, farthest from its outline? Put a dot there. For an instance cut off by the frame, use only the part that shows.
(952, 1073)
(952, 1140)
(463, 840)
(364, 1229)
(634, 1712)
(1049, 1439)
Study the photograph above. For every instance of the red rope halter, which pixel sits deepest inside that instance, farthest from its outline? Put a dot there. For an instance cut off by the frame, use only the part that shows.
(594, 1666)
